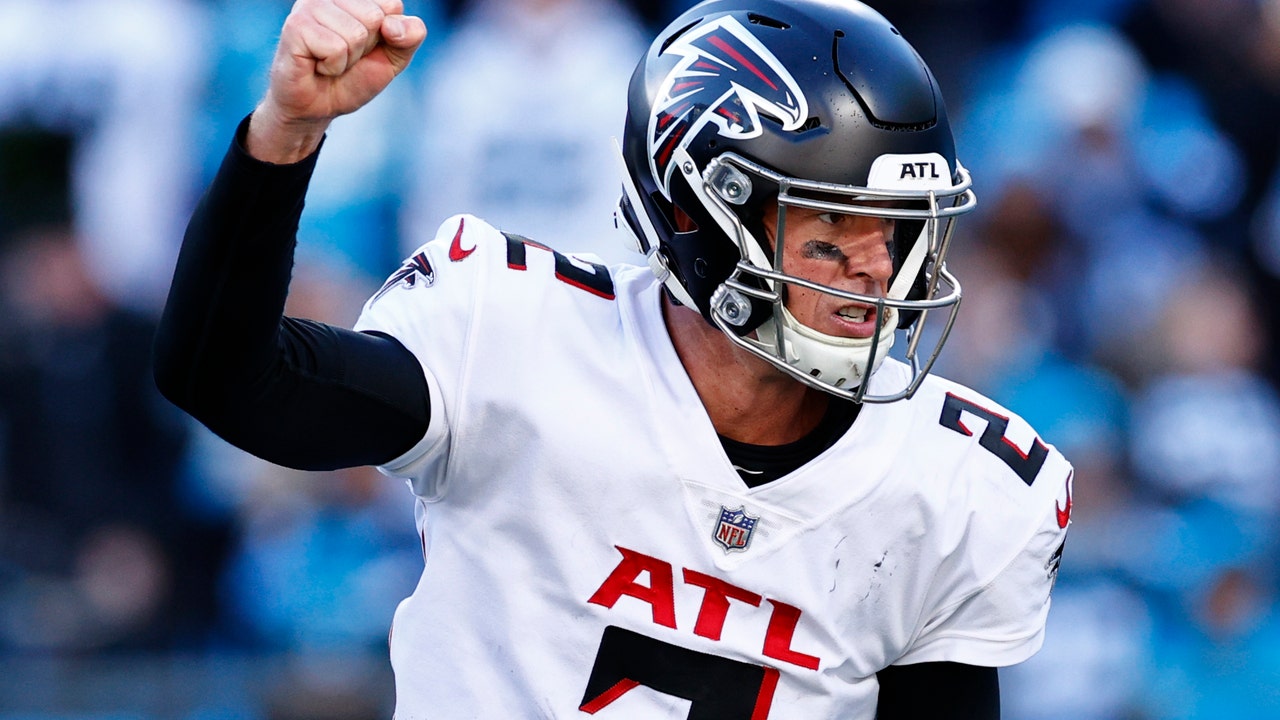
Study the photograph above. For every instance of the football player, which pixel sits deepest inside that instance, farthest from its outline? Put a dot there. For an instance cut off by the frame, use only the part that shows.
(697, 489)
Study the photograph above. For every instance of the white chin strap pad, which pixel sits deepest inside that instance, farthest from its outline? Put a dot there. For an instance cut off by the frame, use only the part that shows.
(839, 361)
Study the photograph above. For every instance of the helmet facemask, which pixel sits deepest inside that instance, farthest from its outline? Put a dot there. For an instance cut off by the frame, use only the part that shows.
(751, 305)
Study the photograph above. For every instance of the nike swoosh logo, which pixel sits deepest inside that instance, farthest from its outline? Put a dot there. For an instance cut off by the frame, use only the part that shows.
(456, 253)
(1064, 514)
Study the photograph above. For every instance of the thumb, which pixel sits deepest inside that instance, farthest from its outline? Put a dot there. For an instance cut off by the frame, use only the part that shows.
(402, 35)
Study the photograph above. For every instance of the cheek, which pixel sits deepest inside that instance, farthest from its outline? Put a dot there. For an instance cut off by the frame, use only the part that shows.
(825, 272)
(799, 298)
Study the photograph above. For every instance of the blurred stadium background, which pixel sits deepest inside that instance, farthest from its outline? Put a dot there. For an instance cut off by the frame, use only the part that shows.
(1120, 280)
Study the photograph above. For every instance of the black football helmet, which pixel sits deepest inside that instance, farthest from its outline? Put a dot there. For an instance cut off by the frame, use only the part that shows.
(821, 104)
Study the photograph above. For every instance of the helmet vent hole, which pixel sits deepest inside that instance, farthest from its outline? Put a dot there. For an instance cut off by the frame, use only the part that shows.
(810, 124)
(673, 36)
(839, 33)
(815, 372)
(755, 19)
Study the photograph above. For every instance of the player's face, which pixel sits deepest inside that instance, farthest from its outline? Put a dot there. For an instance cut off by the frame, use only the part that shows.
(846, 252)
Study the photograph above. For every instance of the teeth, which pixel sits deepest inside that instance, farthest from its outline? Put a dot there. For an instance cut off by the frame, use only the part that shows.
(856, 314)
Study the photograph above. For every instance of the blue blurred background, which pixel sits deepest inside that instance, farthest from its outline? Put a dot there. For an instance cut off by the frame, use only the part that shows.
(1120, 282)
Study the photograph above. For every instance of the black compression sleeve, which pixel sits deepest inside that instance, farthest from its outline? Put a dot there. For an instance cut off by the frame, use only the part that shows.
(940, 691)
(295, 392)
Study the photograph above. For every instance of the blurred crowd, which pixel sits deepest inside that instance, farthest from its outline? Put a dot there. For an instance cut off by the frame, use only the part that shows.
(1119, 279)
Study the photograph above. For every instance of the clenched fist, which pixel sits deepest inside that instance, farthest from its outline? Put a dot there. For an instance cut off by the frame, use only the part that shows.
(334, 57)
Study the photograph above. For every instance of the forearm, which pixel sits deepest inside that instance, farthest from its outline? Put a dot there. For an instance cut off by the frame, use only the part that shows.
(294, 392)
(222, 318)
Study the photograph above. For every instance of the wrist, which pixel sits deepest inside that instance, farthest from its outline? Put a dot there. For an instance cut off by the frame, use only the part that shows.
(278, 140)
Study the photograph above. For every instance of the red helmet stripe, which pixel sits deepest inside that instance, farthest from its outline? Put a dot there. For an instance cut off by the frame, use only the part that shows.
(720, 43)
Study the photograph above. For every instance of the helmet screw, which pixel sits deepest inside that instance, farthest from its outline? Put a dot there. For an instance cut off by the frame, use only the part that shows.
(688, 168)
(733, 306)
(728, 182)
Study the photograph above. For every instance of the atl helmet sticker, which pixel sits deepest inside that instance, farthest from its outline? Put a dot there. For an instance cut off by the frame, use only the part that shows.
(730, 77)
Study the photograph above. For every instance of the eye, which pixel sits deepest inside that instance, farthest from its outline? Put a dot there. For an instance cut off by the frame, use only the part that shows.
(887, 224)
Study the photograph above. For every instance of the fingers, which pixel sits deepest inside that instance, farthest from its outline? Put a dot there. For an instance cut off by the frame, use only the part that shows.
(400, 34)
(403, 35)
(369, 14)
(391, 7)
(333, 50)
(336, 34)
(335, 56)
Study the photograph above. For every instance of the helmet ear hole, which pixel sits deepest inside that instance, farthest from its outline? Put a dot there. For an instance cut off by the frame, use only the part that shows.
(663, 211)
(683, 221)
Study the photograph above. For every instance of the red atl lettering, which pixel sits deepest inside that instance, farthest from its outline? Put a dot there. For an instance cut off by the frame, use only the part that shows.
(715, 602)
(712, 612)
(660, 593)
(777, 639)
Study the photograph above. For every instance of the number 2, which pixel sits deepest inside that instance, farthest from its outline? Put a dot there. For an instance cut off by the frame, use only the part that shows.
(595, 281)
(1027, 465)
(719, 688)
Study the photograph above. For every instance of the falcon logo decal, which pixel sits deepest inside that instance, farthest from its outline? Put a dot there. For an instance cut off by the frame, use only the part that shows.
(416, 270)
(727, 77)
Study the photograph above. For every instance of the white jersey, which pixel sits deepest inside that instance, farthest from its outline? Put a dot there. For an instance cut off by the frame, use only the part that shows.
(590, 549)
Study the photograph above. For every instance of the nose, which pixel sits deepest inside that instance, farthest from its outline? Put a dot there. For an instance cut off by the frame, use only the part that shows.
(869, 256)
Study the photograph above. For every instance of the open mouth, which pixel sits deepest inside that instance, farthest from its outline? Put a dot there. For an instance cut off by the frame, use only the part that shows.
(857, 321)
(856, 313)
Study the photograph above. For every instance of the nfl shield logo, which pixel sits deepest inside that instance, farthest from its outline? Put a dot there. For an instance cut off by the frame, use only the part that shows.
(734, 530)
